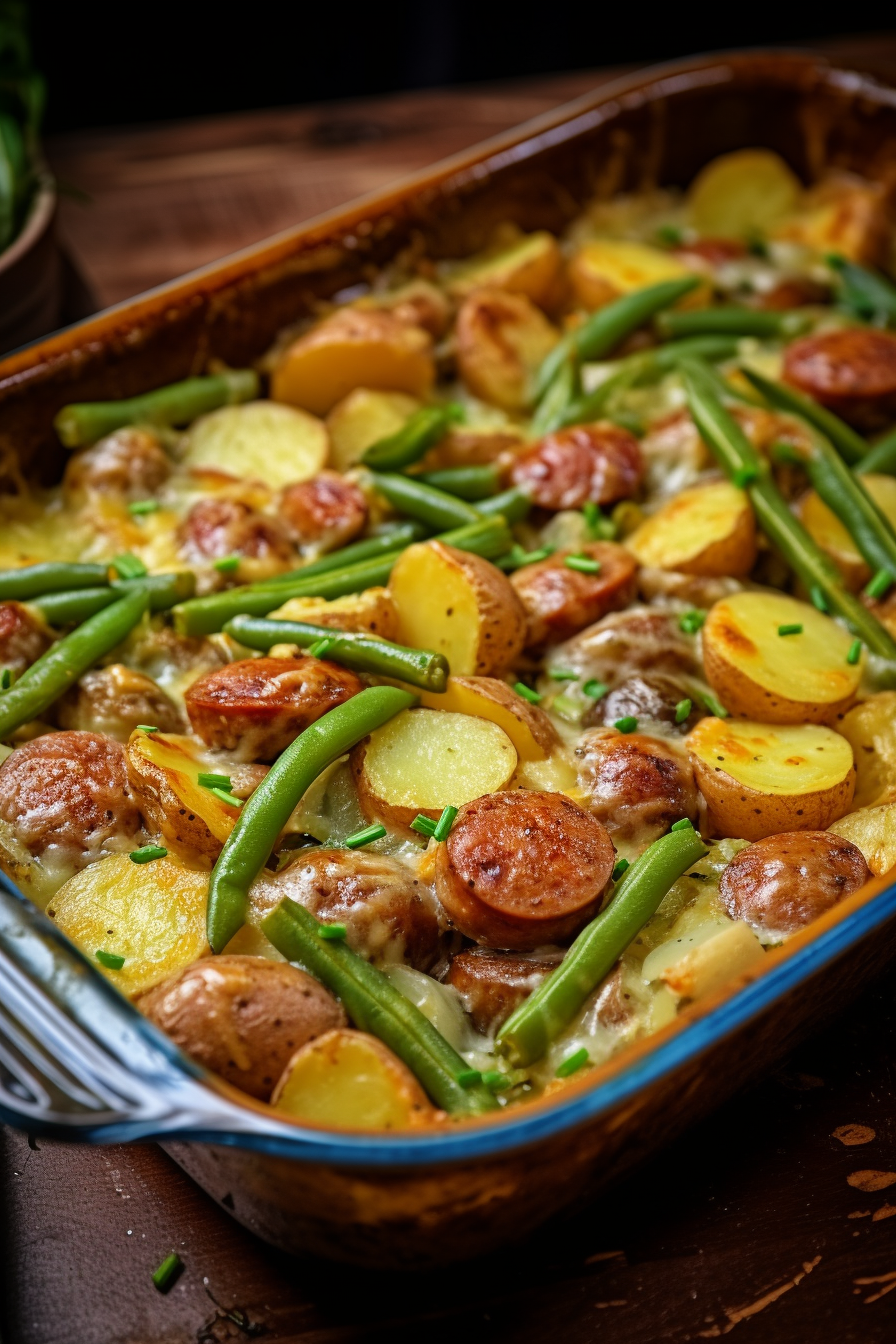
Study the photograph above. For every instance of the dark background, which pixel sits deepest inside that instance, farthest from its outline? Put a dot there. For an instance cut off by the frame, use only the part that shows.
(114, 63)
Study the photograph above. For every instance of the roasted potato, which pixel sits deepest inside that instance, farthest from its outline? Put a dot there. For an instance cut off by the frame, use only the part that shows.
(259, 439)
(708, 530)
(741, 194)
(502, 339)
(457, 604)
(844, 215)
(711, 964)
(152, 914)
(424, 759)
(354, 348)
(530, 266)
(363, 418)
(826, 528)
(528, 727)
(783, 882)
(163, 772)
(373, 611)
(419, 303)
(870, 729)
(873, 831)
(607, 268)
(761, 674)
(242, 1017)
(758, 779)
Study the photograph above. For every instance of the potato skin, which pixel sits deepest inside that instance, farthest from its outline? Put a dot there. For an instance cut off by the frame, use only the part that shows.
(528, 727)
(851, 371)
(560, 601)
(521, 869)
(501, 340)
(600, 462)
(23, 638)
(324, 513)
(130, 463)
(167, 815)
(637, 786)
(492, 985)
(242, 1017)
(784, 881)
(114, 700)
(259, 705)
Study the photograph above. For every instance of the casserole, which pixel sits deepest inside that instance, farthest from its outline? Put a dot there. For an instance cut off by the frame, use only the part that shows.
(619, 141)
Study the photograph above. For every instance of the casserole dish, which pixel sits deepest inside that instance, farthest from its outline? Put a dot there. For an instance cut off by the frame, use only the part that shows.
(432, 1196)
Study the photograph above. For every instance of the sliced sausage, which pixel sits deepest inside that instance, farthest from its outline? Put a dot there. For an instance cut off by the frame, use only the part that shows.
(794, 291)
(23, 637)
(68, 792)
(851, 371)
(389, 914)
(636, 785)
(560, 600)
(215, 528)
(521, 869)
(130, 463)
(259, 705)
(492, 985)
(707, 253)
(648, 698)
(115, 700)
(325, 512)
(626, 643)
(564, 470)
(783, 882)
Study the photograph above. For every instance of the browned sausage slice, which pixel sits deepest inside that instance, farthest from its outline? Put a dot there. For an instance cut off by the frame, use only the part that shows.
(600, 462)
(785, 881)
(259, 705)
(651, 699)
(851, 371)
(521, 869)
(23, 638)
(642, 639)
(560, 600)
(115, 700)
(636, 785)
(493, 984)
(325, 512)
(130, 463)
(215, 528)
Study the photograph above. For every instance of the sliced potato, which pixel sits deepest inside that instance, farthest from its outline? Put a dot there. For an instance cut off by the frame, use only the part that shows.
(873, 831)
(826, 528)
(374, 610)
(501, 340)
(364, 417)
(528, 727)
(738, 195)
(708, 530)
(531, 266)
(163, 771)
(424, 759)
(844, 215)
(419, 303)
(870, 728)
(708, 967)
(350, 349)
(152, 914)
(603, 270)
(775, 678)
(276, 444)
(759, 779)
(350, 1080)
(458, 604)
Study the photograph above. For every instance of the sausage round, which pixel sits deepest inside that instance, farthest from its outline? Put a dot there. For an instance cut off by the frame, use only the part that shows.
(521, 869)
(851, 371)
(492, 985)
(654, 698)
(785, 881)
(68, 791)
(626, 643)
(115, 700)
(325, 512)
(636, 786)
(215, 528)
(131, 463)
(259, 705)
(23, 637)
(560, 601)
(564, 470)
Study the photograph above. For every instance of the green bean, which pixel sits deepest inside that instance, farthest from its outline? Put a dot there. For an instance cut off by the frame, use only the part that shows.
(422, 431)
(866, 293)
(512, 505)
(416, 499)
(164, 591)
(563, 391)
(49, 577)
(851, 446)
(732, 321)
(812, 566)
(45, 680)
(363, 652)
(540, 1019)
(177, 404)
(375, 1005)
(882, 457)
(469, 483)
(489, 537)
(392, 539)
(267, 810)
(846, 496)
(604, 330)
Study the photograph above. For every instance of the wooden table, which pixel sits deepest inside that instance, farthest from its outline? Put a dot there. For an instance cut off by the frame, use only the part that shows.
(774, 1220)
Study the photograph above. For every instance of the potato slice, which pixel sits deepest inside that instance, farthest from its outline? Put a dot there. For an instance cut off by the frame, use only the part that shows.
(424, 759)
(761, 674)
(873, 831)
(501, 340)
(152, 914)
(842, 215)
(870, 729)
(349, 1080)
(826, 528)
(275, 444)
(713, 963)
(374, 610)
(364, 417)
(458, 604)
(738, 195)
(530, 266)
(528, 727)
(708, 530)
(350, 349)
(419, 303)
(759, 779)
(603, 270)
(163, 771)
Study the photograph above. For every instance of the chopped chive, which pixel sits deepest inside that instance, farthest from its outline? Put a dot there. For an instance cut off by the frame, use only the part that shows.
(562, 674)
(321, 647)
(595, 689)
(111, 960)
(621, 866)
(142, 506)
(516, 557)
(495, 1080)
(744, 476)
(568, 709)
(5, 679)
(795, 629)
(692, 621)
(444, 823)
(682, 710)
(527, 693)
(684, 825)
(227, 564)
(669, 234)
(424, 825)
(592, 515)
(214, 781)
(715, 706)
(582, 563)
(628, 724)
(147, 728)
(225, 796)
(129, 567)
(572, 1063)
(365, 837)
(880, 585)
(148, 853)
(167, 1271)
(819, 601)
(855, 652)
(468, 1077)
(332, 933)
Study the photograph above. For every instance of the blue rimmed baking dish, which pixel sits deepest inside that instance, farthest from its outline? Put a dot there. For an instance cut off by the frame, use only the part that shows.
(77, 1060)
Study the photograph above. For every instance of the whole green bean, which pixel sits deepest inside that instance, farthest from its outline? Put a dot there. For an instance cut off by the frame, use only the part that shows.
(51, 576)
(603, 330)
(45, 680)
(469, 483)
(563, 391)
(363, 652)
(422, 431)
(416, 499)
(177, 404)
(375, 1005)
(846, 496)
(512, 505)
(540, 1019)
(248, 847)
(852, 447)
(812, 566)
(882, 457)
(394, 538)
(866, 293)
(732, 321)
(164, 591)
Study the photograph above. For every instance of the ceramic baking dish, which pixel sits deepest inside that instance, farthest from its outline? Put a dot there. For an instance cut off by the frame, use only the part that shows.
(77, 1060)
